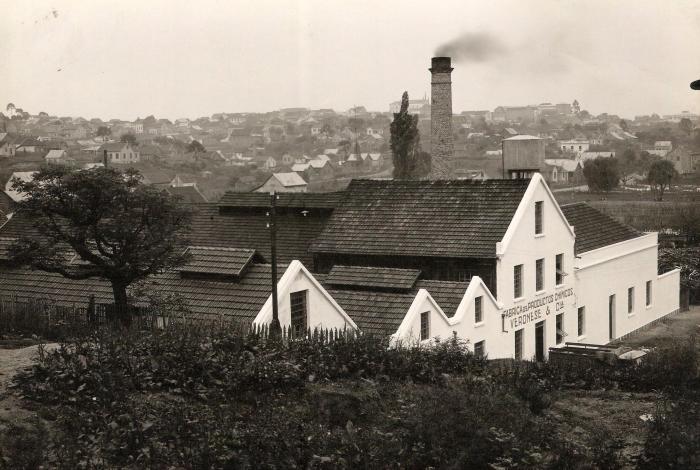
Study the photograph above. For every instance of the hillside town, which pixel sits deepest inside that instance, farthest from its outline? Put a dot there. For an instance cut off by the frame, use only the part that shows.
(248, 272)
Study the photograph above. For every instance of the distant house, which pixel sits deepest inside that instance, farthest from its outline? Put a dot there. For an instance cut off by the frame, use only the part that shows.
(563, 170)
(121, 153)
(376, 160)
(683, 161)
(187, 194)
(284, 183)
(574, 146)
(287, 159)
(661, 148)
(56, 156)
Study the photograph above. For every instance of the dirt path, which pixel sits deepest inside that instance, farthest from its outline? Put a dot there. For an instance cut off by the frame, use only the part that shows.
(11, 362)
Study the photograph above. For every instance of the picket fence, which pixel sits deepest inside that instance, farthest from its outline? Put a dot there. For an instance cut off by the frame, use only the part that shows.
(47, 319)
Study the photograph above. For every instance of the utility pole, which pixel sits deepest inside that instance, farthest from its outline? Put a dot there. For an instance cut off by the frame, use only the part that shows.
(275, 327)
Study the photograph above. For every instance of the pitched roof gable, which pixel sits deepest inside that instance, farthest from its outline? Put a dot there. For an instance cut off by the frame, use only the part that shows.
(444, 218)
(595, 229)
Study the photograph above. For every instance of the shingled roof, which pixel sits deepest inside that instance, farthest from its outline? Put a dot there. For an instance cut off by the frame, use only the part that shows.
(381, 312)
(241, 300)
(371, 277)
(457, 218)
(594, 229)
(222, 261)
(290, 200)
(249, 230)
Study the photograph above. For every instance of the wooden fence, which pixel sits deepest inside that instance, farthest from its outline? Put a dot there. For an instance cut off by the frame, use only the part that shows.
(46, 319)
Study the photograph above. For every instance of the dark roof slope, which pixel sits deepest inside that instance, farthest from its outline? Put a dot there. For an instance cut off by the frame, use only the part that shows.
(457, 218)
(371, 277)
(223, 261)
(249, 230)
(207, 299)
(381, 313)
(594, 229)
(295, 200)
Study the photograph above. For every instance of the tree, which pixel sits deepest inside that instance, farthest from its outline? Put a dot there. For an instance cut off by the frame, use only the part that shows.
(128, 139)
(120, 228)
(196, 147)
(688, 261)
(686, 125)
(661, 173)
(104, 131)
(628, 163)
(602, 174)
(623, 125)
(405, 143)
(576, 106)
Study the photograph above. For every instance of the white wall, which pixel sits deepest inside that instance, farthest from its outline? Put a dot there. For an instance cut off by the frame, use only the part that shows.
(612, 270)
(521, 245)
(323, 311)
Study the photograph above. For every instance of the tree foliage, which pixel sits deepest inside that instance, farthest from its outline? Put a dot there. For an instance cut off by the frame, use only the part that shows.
(661, 174)
(686, 125)
(128, 138)
(410, 162)
(100, 223)
(104, 131)
(602, 174)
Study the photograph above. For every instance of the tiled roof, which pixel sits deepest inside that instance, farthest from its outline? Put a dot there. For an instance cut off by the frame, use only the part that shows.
(381, 313)
(5, 243)
(370, 277)
(289, 179)
(297, 200)
(241, 300)
(187, 194)
(224, 261)
(249, 230)
(594, 229)
(457, 218)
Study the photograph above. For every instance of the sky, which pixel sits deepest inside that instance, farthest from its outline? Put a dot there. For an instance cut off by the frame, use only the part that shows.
(179, 58)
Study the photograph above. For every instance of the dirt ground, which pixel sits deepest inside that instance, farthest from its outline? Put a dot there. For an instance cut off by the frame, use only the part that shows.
(677, 327)
(11, 362)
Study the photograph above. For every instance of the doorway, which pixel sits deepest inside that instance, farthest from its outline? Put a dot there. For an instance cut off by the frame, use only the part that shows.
(611, 317)
(539, 341)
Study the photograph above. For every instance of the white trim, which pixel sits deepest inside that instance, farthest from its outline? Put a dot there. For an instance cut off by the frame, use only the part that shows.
(613, 257)
(666, 274)
(623, 242)
(295, 267)
(521, 212)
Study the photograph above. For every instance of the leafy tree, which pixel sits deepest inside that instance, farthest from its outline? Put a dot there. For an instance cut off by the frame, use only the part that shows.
(623, 125)
(121, 229)
(576, 106)
(686, 125)
(103, 131)
(405, 143)
(661, 173)
(149, 121)
(128, 139)
(196, 147)
(602, 174)
(628, 163)
(688, 261)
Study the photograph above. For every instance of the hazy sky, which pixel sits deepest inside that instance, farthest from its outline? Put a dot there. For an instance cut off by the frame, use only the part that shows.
(175, 58)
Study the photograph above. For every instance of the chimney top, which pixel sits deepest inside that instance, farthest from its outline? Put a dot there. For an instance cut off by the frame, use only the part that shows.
(441, 64)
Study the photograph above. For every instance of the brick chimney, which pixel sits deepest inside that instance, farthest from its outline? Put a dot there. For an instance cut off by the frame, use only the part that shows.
(441, 141)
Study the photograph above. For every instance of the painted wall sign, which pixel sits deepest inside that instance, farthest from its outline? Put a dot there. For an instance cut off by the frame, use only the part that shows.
(536, 309)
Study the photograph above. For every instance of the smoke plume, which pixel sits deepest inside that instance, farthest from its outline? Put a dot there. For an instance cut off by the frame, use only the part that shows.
(472, 47)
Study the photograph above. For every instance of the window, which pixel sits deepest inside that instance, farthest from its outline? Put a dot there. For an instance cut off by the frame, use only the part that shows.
(611, 316)
(519, 344)
(581, 329)
(648, 293)
(539, 274)
(538, 217)
(478, 312)
(630, 300)
(560, 269)
(560, 328)
(518, 281)
(297, 305)
(479, 349)
(424, 325)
